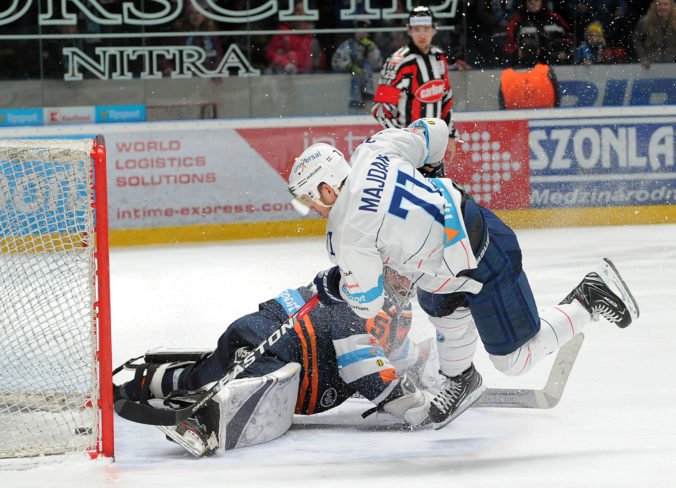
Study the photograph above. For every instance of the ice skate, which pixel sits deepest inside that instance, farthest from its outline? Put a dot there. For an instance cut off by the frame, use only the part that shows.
(193, 436)
(604, 293)
(457, 395)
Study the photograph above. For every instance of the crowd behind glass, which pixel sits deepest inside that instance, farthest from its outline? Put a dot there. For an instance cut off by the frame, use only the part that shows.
(483, 35)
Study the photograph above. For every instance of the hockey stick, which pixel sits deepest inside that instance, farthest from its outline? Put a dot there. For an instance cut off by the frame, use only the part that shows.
(547, 397)
(147, 414)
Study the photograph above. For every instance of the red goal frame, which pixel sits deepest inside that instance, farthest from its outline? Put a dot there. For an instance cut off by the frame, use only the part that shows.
(102, 321)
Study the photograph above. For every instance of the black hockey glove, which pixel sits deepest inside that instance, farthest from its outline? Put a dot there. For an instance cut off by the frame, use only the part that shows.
(327, 283)
(433, 171)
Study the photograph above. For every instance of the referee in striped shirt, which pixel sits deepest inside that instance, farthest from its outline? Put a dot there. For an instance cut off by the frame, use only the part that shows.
(414, 81)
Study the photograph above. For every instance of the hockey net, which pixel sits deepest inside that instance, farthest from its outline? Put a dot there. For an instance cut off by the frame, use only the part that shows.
(55, 356)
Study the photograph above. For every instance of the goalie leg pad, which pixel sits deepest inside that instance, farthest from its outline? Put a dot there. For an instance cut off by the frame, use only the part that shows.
(257, 410)
(245, 412)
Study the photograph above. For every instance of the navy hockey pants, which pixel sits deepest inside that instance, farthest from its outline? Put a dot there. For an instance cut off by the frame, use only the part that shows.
(504, 310)
(321, 386)
(244, 333)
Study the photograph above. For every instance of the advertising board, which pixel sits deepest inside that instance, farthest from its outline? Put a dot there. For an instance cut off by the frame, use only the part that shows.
(227, 179)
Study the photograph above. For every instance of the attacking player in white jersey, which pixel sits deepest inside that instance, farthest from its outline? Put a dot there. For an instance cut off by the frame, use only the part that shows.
(465, 262)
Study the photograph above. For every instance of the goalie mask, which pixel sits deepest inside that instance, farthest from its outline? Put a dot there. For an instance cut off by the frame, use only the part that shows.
(319, 163)
(398, 288)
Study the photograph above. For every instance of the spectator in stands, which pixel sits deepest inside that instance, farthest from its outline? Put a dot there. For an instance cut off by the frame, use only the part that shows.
(579, 14)
(193, 21)
(592, 50)
(360, 57)
(502, 11)
(291, 53)
(620, 18)
(505, 10)
(54, 62)
(481, 24)
(655, 34)
(532, 84)
(392, 39)
(552, 30)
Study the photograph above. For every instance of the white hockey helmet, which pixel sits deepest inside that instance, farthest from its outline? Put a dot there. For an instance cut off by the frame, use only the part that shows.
(319, 163)
(421, 16)
(436, 135)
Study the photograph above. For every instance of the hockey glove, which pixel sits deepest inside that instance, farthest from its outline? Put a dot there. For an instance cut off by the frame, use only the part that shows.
(327, 283)
(433, 170)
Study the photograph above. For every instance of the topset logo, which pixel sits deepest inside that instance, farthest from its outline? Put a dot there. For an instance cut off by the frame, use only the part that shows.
(20, 116)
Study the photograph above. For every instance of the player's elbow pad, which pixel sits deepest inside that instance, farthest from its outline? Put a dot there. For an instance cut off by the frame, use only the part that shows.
(436, 134)
(387, 94)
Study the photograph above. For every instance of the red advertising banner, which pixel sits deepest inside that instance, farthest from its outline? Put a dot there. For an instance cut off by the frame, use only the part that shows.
(492, 162)
(279, 146)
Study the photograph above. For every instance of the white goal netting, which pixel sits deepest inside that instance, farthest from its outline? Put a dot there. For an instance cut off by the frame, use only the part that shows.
(49, 389)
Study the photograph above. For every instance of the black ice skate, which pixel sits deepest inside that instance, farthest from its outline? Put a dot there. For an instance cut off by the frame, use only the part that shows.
(604, 293)
(457, 395)
(193, 436)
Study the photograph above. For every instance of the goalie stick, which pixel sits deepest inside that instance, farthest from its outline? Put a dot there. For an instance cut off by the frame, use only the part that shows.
(547, 397)
(150, 415)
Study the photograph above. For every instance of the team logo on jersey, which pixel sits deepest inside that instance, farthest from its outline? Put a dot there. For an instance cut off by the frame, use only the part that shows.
(430, 92)
(328, 398)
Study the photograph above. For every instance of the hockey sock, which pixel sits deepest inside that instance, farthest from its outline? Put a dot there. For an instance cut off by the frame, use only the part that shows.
(456, 341)
(557, 326)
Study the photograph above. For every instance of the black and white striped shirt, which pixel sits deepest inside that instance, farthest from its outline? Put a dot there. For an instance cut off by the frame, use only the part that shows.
(414, 85)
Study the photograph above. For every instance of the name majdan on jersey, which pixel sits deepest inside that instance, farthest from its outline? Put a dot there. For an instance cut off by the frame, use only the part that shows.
(377, 173)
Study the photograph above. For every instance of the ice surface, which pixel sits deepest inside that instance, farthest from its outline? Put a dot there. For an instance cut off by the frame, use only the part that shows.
(615, 426)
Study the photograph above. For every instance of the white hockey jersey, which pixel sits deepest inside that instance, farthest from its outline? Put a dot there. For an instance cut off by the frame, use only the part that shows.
(387, 213)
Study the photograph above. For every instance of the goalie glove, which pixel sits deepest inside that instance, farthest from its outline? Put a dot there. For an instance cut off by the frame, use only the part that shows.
(327, 284)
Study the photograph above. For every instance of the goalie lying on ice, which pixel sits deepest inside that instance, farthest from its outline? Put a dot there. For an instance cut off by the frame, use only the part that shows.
(328, 356)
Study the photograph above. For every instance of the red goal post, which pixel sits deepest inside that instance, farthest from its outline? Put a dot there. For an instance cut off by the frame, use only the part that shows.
(55, 357)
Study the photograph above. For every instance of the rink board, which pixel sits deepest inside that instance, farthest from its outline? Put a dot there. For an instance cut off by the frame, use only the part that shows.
(219, 180)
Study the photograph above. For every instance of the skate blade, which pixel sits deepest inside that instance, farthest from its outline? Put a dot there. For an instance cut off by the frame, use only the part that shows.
(473, 398)
(612, 277)
(190, 443)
